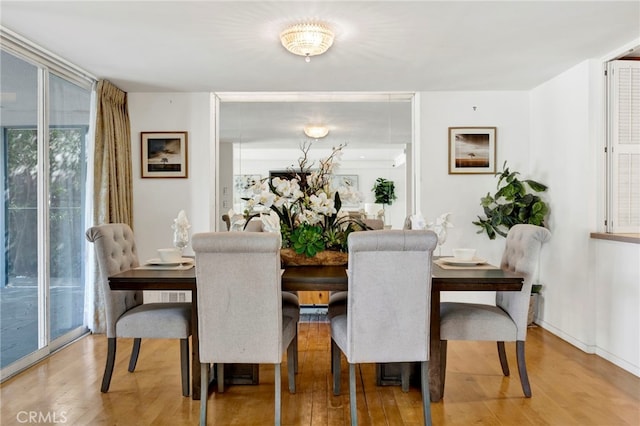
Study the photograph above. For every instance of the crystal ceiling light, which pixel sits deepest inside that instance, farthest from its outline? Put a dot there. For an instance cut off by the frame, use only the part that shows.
(316, 131)
(307, 39)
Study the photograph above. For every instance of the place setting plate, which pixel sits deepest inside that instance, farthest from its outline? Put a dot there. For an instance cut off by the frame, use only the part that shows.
(460, 262)
(159, 262)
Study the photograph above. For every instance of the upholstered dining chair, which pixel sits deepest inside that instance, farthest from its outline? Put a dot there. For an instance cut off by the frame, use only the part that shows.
(240, 316)
(507, 320)
(388, 306)
(290, 299)
(126, 314)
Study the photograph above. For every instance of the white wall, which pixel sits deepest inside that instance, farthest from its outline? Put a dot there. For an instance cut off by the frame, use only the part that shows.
(460, 194)
(156, 202)
(591, 287)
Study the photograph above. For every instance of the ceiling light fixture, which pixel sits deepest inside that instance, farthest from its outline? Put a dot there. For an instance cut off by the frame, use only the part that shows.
(316, 131)
(307, 39)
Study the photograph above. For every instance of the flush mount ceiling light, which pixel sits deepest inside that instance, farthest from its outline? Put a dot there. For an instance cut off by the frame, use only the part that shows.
(316, 131)
(307, 39)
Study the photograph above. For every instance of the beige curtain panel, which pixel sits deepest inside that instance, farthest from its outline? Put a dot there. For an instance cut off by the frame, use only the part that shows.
(112, 191)
(112, 178)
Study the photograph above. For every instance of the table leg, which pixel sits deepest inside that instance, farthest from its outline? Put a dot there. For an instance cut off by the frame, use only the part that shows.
(436, 363)
(195, 349)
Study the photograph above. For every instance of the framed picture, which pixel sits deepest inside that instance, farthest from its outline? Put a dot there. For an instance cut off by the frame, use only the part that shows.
(472, 150)
(164, 154)
(242, 186)
(347, 181)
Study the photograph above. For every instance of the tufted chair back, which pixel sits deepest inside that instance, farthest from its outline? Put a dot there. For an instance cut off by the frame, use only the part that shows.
(521, 254)
(239, 297)
(115, 250)
(389, 296)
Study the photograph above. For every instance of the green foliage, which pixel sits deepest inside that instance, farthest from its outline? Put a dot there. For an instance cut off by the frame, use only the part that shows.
(307, 239)
(512, 204)
(384, 191)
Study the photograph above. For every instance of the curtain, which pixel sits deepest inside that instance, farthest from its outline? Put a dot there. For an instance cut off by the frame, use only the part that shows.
(112, 178)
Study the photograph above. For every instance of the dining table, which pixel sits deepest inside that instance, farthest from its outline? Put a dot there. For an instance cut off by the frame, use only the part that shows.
(329, 278)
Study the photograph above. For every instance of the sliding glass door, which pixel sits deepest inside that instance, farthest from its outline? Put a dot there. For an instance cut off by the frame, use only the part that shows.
(45, 126)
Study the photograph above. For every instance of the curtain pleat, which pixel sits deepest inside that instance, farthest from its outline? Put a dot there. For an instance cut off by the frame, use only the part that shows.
(113, 177)
(113, 195)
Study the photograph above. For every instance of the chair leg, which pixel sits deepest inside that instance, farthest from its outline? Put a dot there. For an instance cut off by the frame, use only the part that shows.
(278, 395)
(502, 354)
(405, 370)
(522, 368)
(352, 394)
(292, 351)
(204, 394)
(184, 365)
(424, 386)
(220, 373)
(443, 366)
(135, 351)
(108, 368)
(295, 351)
(335, 367)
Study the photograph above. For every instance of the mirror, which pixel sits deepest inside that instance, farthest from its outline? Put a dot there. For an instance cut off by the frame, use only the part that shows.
(259, 134)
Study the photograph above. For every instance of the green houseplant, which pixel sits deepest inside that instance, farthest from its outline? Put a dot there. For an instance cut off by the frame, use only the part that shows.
(384, 191)
(515, 202)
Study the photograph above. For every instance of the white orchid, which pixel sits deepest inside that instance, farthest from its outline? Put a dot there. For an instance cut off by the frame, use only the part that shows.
(440, 227)
(305, 204)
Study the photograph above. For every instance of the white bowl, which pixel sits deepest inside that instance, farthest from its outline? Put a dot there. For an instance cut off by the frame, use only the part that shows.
(169, 255)
(464, 253)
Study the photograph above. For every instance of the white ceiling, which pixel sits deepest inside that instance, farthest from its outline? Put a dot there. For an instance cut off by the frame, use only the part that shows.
(385, 46)
(201, 46)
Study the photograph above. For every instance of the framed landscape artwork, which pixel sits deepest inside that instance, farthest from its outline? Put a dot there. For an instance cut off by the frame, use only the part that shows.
(164, 154)
(242, 187)
(472, 150)
(347, 181)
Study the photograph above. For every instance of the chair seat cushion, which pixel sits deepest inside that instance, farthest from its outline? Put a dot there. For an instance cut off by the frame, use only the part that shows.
(471, 321)
(339, 331)
(337, 304)
(290, 305)
(156, 321)
(289, 329)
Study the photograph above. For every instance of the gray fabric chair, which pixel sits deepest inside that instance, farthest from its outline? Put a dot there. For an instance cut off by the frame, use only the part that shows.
(126, 315)
(290, 300)
(240, 316)
(507, 321)
(388, 306)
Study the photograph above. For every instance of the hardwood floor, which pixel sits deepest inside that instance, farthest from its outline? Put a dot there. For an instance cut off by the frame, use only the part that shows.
(569, 388)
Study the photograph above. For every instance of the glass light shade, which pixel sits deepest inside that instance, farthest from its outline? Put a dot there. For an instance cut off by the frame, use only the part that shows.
(316, 131)
(307, 39)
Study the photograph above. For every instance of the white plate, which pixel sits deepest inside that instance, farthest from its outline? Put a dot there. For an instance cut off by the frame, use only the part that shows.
(459, 262)
(157, 261)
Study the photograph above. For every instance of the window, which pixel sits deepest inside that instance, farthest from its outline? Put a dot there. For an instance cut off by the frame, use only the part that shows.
(44, 128)
(623, 147)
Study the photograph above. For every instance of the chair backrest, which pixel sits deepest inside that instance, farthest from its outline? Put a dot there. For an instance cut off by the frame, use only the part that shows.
(239, 296)
(374, 224)
(254, 225)
(521, 255)
(389, 298)
(115, 250)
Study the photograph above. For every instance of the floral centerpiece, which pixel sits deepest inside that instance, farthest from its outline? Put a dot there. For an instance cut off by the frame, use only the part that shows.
(307, 206)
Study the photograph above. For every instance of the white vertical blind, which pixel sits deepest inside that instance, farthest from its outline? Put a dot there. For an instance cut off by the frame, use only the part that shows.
(624, 146)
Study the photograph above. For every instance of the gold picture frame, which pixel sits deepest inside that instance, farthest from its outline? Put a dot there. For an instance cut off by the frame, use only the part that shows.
(472, 150)
(164, 154)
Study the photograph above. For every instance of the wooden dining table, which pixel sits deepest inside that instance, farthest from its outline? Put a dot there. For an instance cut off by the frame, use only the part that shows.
(326, 278)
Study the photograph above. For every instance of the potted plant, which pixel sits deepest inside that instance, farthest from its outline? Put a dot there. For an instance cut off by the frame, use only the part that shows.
(515, 202)
(384, 191)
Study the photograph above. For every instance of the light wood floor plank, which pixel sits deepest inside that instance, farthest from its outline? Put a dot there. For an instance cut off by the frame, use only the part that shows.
(569, 388)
